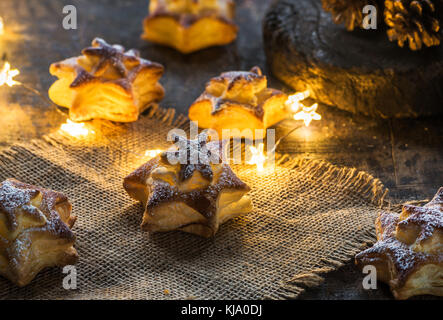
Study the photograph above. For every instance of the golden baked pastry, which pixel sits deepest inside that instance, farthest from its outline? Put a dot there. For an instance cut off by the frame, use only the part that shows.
(409, 252)
(34, 231)
(106, 83)
(195, 195)
(239, 100)
(190, 25)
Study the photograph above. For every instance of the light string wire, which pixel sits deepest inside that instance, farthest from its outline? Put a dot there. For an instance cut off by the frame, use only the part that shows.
(7, 76)
(56, 108)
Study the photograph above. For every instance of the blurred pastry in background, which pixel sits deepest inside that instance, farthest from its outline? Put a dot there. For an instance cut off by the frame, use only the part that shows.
(190, 25)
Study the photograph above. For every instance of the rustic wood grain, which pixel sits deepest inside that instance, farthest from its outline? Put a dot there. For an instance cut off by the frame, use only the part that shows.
(359, 71)
(405, 154)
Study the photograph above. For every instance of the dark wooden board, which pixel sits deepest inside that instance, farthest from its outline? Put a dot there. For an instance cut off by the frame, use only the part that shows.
(405, 154)
(359, 71)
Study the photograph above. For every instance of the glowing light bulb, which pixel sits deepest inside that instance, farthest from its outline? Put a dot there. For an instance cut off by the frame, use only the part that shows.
(2, 27)
(307, 114)
(75, 129)
(258, 157)
(153, 153)
(293, 101)
(7, 75)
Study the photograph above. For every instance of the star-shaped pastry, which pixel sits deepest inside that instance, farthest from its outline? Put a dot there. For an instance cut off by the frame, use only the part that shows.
(106, 82)
(34, 231)
(195, 198)
(190, 25)
(409, 252)
(238, 101)
(111, 56)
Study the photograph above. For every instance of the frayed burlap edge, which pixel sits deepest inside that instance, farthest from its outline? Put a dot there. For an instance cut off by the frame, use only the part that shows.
(372, 189)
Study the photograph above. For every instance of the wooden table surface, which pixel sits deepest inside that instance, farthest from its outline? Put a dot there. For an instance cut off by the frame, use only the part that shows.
(406, 155)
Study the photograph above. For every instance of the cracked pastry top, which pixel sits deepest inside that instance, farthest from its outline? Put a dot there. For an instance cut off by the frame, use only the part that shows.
(190, 25)
(106, 82)
(34, 231)
(237, 101)
(408, 254)
(188, 188)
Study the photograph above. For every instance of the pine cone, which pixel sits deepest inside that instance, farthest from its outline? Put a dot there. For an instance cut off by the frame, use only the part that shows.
(414, 21)
(349, 12)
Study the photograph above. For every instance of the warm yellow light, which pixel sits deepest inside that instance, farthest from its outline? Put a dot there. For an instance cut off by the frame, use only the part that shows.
(2, 27)
(258, 157)
(75, 129)
(7, 75)
(293, 101)
(153, 153)
(302, 112)
(307, 114)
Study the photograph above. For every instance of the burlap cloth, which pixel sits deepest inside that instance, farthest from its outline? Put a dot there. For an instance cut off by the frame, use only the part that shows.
(309, 218)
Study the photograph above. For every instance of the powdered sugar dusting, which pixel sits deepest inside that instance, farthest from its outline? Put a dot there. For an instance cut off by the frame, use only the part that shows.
(437, 200)
(402, 256)
(388, 223)
(192, 155)
(240, 88)
(12, 198)
(427, 218)
(15, 198)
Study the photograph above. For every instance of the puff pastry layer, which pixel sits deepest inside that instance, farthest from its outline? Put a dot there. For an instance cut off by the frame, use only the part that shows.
(237, 101)
(190, 25)
(195, 198)
(106, 83)
(409, 252)
(34, 231)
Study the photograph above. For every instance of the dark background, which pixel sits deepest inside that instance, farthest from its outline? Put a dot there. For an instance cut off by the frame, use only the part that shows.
(406, 155)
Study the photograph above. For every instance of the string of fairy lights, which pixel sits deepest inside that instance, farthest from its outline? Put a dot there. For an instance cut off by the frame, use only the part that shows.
(2, 27)
(79, 130)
